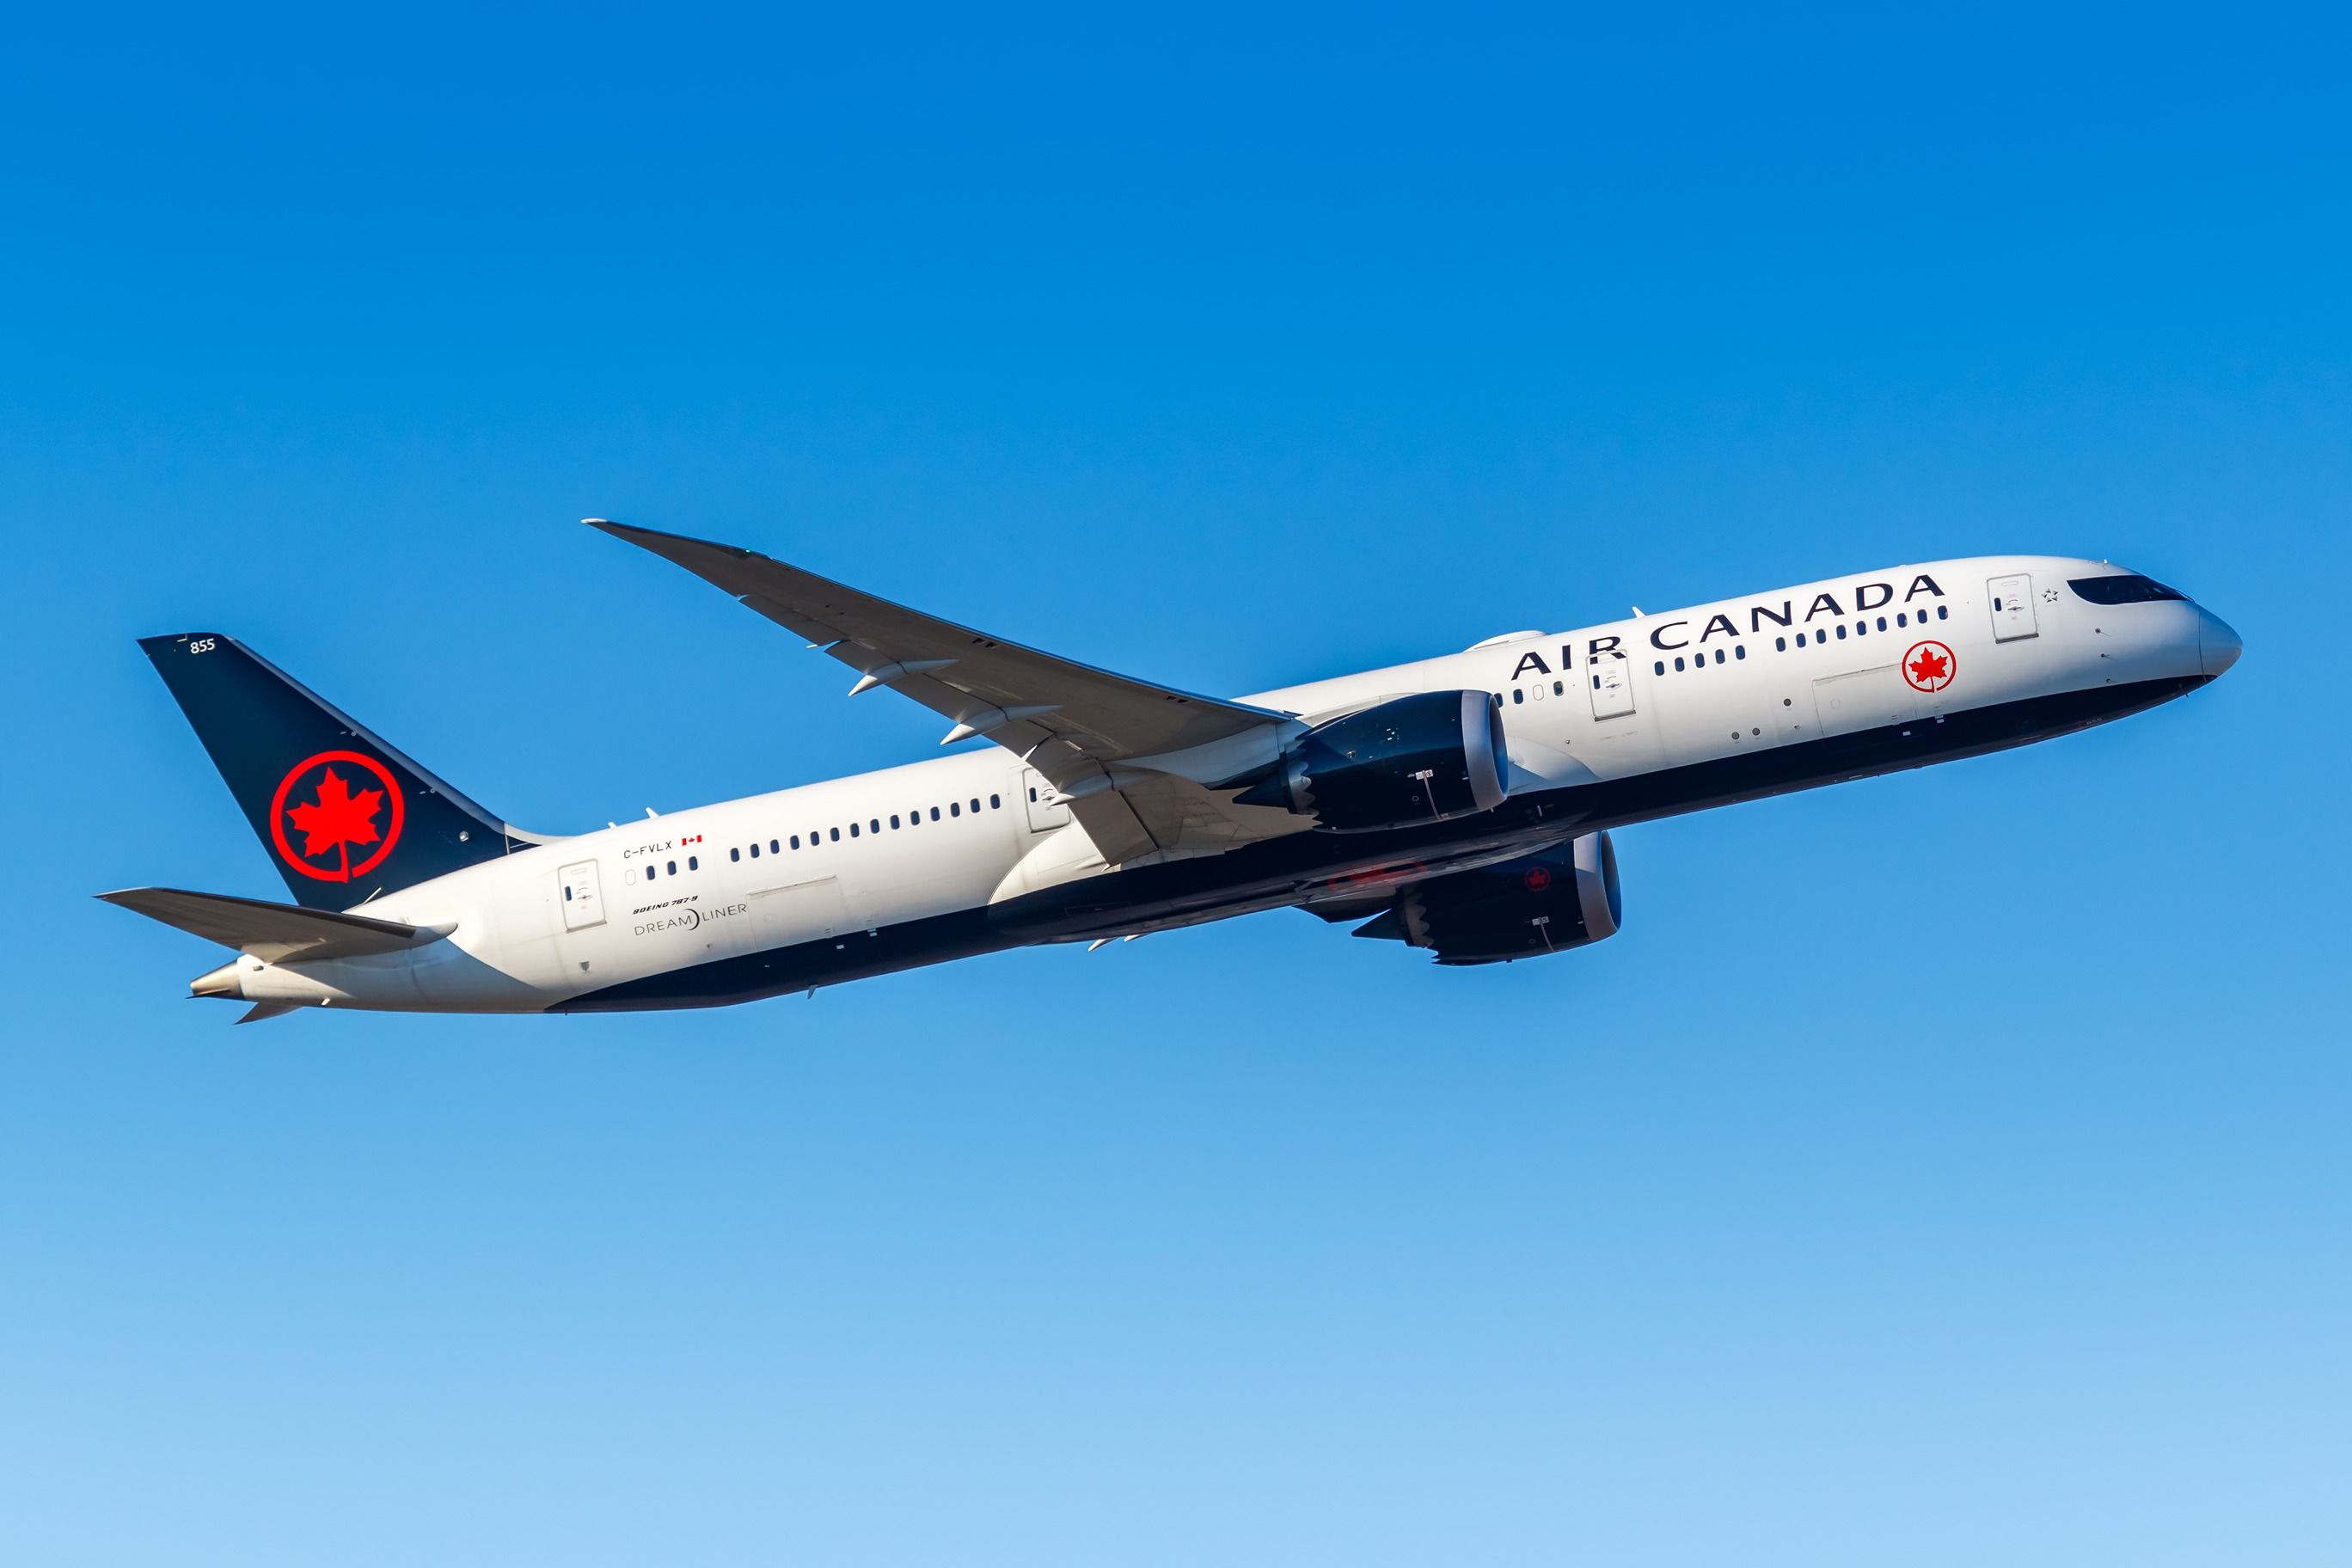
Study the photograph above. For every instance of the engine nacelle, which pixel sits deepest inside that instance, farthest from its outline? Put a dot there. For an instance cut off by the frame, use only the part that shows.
(1543, 904)
(1410, 760)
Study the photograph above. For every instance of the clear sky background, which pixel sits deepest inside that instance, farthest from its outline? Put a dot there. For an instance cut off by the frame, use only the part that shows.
(1947, 1169)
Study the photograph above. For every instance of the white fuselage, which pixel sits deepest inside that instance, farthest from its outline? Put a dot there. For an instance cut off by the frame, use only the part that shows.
(835, 861)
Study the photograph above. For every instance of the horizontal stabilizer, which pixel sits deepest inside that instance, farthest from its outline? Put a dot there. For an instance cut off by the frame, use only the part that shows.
(273, 933)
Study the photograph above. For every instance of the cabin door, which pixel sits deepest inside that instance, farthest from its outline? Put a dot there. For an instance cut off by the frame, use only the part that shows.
(583, 899)
(1609, 679)
(1043, 802)
(2012, 607)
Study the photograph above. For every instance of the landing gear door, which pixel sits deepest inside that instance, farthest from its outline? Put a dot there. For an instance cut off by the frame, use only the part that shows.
(1609, 679)
(1043, 802)
(2012, 607)
(583, 899)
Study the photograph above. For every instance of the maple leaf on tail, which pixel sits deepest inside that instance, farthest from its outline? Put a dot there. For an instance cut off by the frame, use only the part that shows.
(337, 819)
(1930, 666)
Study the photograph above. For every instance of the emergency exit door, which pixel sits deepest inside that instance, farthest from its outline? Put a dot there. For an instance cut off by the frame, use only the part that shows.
(584, 901)
(2012, 607)
(1608, 680)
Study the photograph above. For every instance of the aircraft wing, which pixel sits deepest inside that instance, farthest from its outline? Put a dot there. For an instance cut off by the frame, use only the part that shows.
(1074, 723)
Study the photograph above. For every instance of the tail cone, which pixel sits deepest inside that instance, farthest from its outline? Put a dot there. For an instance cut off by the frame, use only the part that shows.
(222, 981)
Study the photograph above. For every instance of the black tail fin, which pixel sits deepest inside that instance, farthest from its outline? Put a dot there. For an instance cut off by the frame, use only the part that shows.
(343, 815)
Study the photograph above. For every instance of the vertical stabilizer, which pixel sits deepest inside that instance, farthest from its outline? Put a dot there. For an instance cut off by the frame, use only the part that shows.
(341, 814)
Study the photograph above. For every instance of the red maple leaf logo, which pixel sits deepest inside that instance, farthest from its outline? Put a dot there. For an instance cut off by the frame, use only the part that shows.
(337, 819)
(1928, 667)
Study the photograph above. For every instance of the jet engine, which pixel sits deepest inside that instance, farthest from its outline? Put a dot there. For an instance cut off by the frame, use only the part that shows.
(1543, 904)
(1410, 760)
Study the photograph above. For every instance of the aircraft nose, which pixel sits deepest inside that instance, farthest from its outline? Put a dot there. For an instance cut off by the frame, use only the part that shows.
(2217, 645)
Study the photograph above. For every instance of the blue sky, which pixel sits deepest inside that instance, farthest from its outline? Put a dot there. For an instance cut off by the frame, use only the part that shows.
(1943, 1169)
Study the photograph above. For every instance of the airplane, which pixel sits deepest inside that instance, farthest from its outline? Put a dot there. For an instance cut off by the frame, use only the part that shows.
(1461, 804)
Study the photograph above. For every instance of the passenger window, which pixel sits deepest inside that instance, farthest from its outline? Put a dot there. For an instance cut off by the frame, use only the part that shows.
(1861, 628)
(894, 823)
(796, 840)
(995, 804)
(1661, 668)
(1779, 644)
(650, 873)
(738, 854)
(567, 892)
(1943, 613)
(1560, 688)
(1518, 694)
(1739, 652)
(873, 824)
(955, 809)
(1841, 633)
(853, 831)
(1678, 661)
(1801, 639)
(694, 862)
(1901, 619)
(835, 834)
(935, 813)
(1881, 622)
(1718, 656)
(671, 867)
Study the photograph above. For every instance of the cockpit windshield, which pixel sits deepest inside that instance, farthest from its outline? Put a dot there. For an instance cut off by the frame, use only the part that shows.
(2124, 590)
